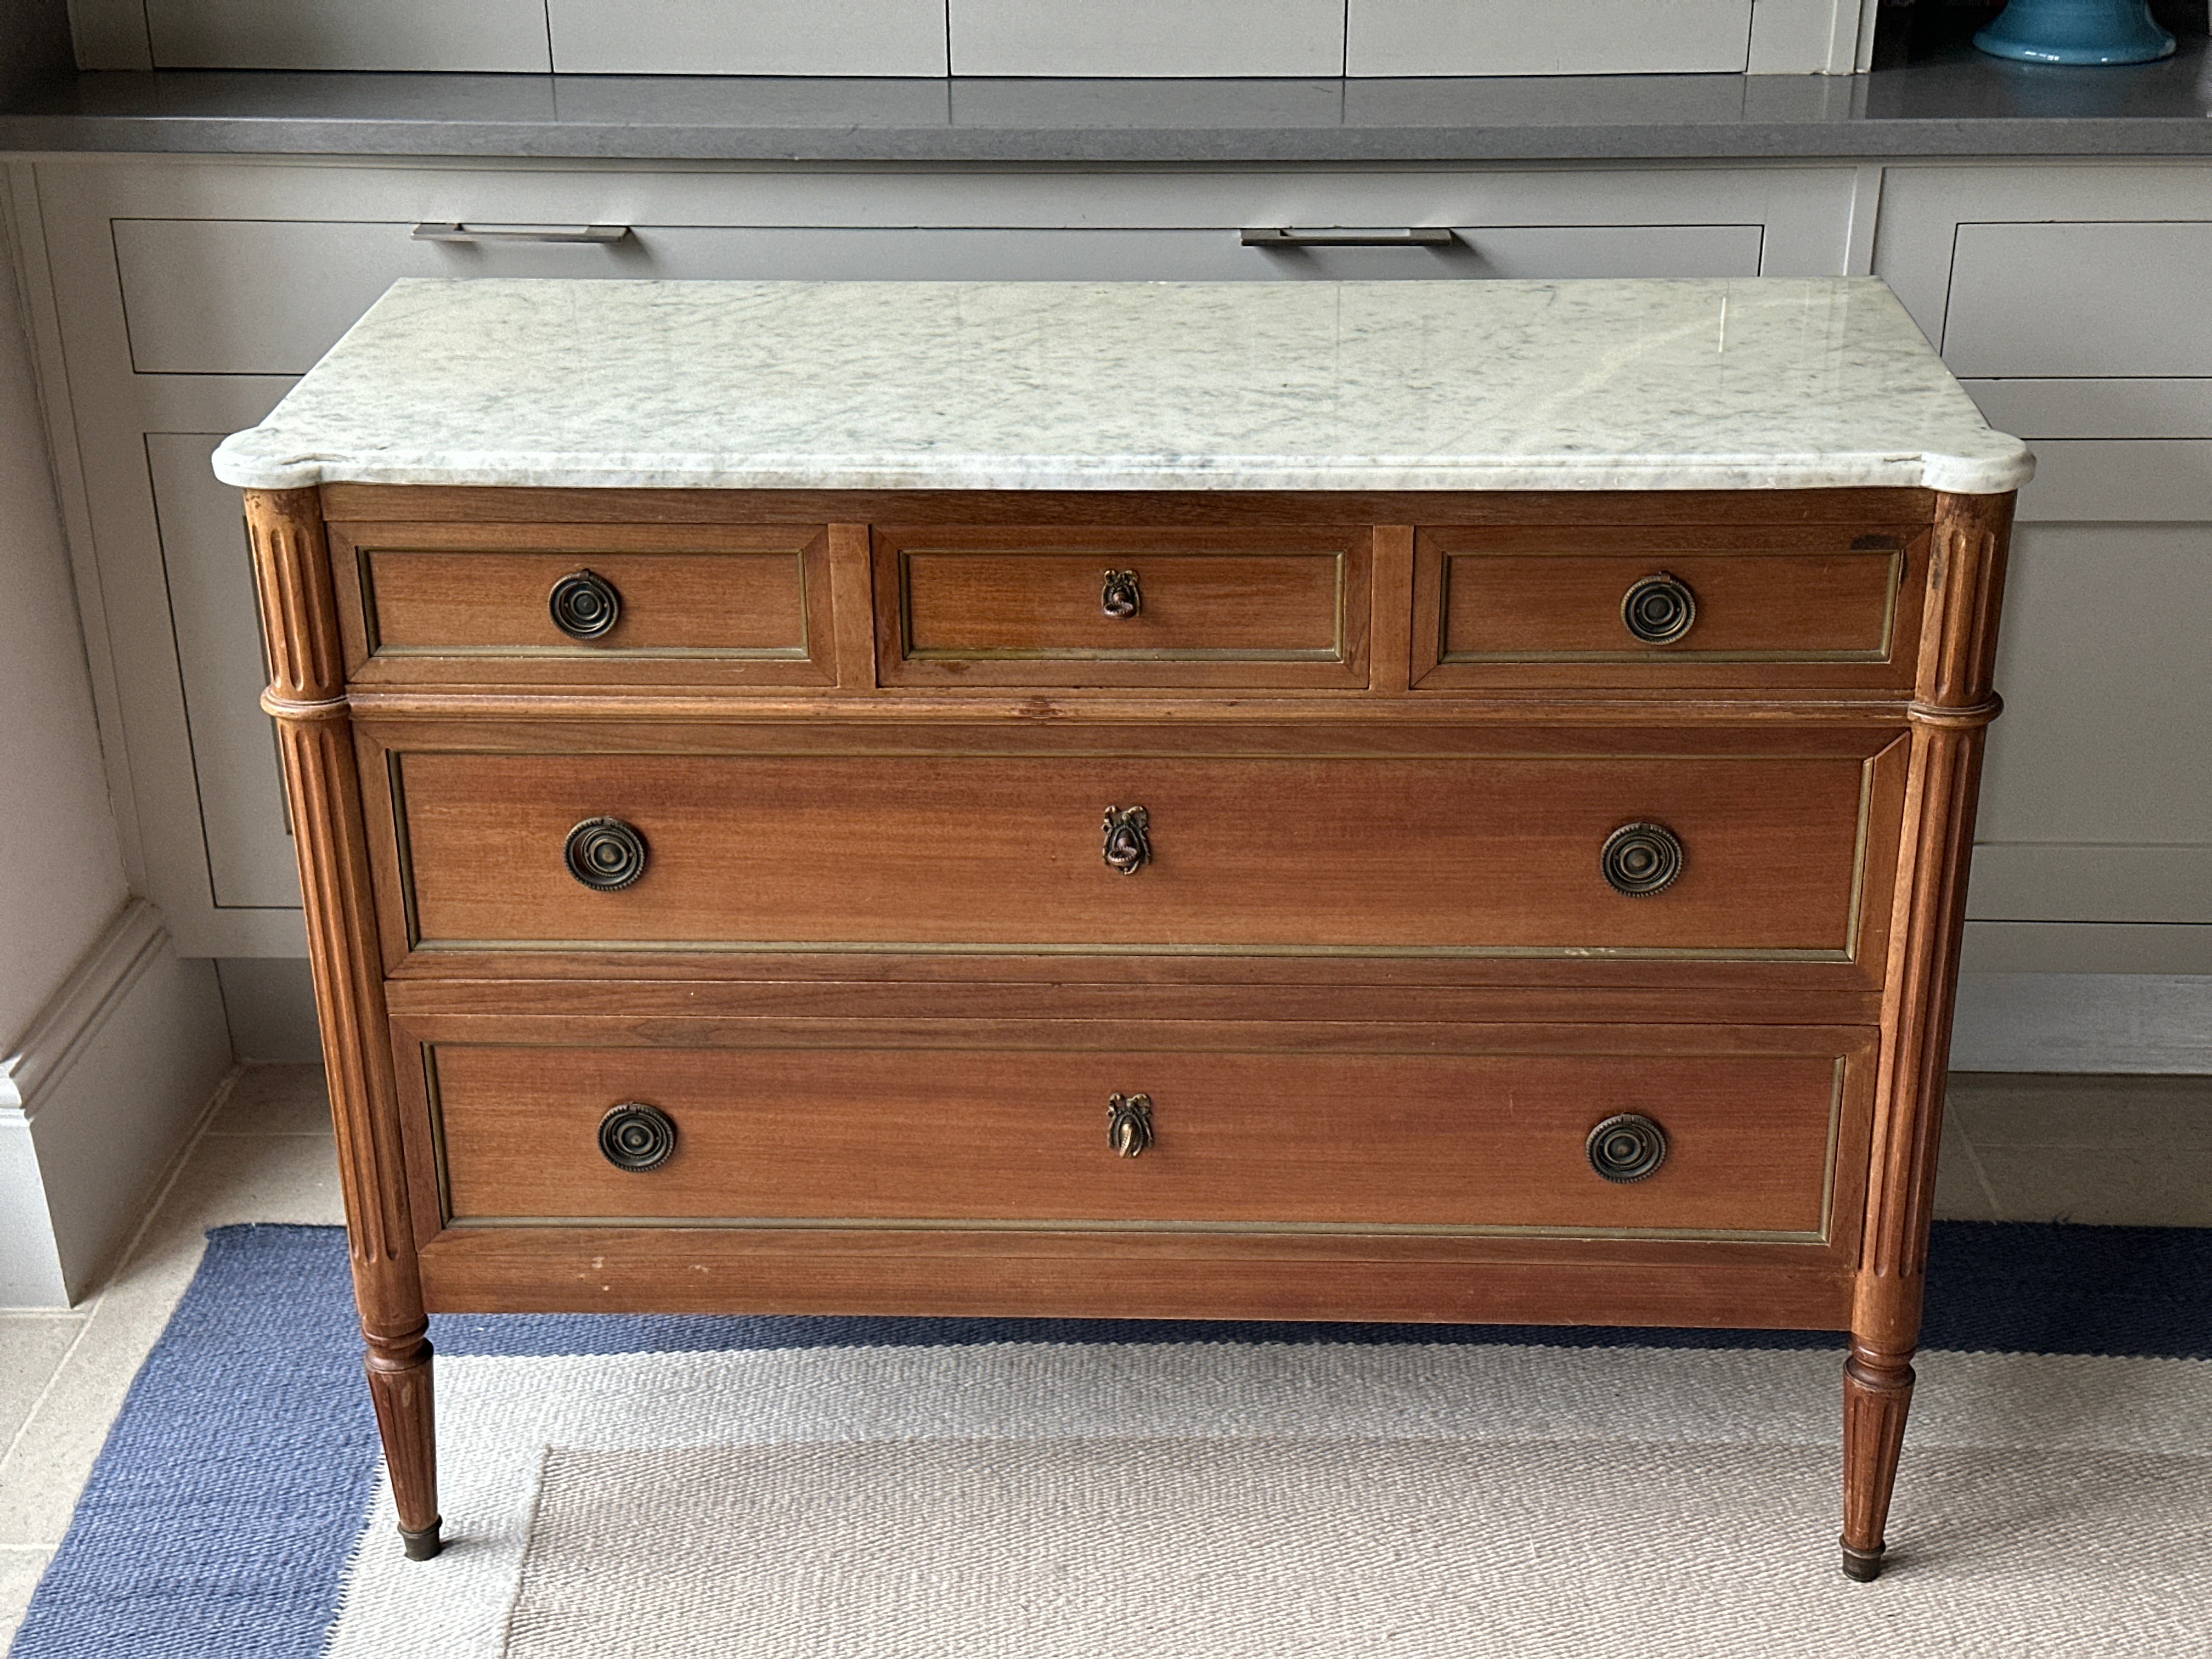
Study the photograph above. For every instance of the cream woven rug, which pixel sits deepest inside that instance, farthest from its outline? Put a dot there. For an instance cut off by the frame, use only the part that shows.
(1206, 1501)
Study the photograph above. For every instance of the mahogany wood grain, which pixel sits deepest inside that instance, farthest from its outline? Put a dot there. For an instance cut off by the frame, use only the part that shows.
(1954, 705)
(1874, 506)
(680, 1270)
(1109, 990)
(1374, 896)
(1021, 605)
(467, 604)
(852, 589)
(677, 710)
(1405, 727)
(1406, 856)
(637, 1030)
(1243, 1137)
(292, 577)
(1390, 638)
(1775, 606)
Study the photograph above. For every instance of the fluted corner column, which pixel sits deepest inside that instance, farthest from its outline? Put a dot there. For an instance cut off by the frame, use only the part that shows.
(307, 697)
(1953, 705)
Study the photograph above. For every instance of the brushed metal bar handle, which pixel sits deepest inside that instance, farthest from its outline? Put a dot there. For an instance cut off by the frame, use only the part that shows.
(461, 233)
(1343, 236)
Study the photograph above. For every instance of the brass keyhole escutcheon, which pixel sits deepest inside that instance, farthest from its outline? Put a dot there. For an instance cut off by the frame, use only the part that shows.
(1129, 1124)
(1128, 841)
(1121, 596)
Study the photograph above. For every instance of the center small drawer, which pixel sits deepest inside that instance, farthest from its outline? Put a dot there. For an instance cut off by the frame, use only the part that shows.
(1720, 1142)
(1761, 855)
(1239, 608)
(583, 604)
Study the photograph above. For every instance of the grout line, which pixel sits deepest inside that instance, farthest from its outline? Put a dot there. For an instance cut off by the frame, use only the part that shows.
(1981, 1175)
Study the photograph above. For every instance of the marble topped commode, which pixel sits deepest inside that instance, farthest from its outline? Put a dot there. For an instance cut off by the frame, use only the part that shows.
(1735, 384)
(1419, 801)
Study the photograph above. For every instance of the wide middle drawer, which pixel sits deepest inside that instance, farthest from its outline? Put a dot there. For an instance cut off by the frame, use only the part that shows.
(1291, 854)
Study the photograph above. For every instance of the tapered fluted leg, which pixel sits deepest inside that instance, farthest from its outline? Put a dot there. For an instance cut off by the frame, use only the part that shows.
(307, 698)
(1877, 1395)
(399, 1387)
(1953, 704)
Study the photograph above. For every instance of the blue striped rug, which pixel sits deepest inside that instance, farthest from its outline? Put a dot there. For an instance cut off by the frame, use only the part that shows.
(226, 1516)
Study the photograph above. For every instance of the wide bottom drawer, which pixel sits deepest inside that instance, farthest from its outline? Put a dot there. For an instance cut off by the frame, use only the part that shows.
(1740, 1141)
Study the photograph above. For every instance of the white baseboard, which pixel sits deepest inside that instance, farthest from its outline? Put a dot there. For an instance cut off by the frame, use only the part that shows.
(2083, 1023)
(95, 1103)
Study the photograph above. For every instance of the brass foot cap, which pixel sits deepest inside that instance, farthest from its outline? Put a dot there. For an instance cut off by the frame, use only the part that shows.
(1865, 1565)
(422, 1545)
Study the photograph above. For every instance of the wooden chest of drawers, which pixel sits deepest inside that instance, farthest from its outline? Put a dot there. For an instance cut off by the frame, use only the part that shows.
(1521, 905)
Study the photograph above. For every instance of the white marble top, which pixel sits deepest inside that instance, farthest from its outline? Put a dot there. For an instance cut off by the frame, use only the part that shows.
(1739, 384)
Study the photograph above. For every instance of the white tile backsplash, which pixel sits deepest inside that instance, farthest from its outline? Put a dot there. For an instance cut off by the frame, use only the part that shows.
(481, 35)
(1271, 38)
(759, 37)
(1560, 37)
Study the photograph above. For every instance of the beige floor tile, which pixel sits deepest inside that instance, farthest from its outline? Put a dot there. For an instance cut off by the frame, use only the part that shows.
(31, 1347)
(19, 1569)
(233, 1178)
(274, 1100)
(1961, 1192)
(1999, 1109)
(228, 1179)
(2122, 1186)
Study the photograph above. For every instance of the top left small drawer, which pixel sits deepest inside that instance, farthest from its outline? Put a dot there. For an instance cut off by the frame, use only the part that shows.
(583, 604)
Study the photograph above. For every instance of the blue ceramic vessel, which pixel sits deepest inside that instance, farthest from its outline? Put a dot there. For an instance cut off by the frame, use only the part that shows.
(2076, 32)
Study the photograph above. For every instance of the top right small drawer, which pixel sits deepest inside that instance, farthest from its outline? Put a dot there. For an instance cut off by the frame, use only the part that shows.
(1786, 607)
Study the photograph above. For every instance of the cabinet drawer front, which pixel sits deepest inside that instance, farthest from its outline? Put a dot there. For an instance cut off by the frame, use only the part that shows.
(458, 604)
(2079, 299)
(1406, 856)
(270, 296)
(1238, 1139)
(1787, 606)
(1032, 607)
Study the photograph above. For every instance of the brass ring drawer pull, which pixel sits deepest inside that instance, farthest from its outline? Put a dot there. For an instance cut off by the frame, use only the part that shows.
(637, 1137)
(1121, 596)
(1128, 842)
(584, 604)
(1639, 859)
(606, 855)
(1129, 1124)
(1660, 608)
(1626, 1148)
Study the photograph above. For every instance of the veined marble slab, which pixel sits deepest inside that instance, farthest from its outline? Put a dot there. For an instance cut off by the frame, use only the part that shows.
(1743, 384)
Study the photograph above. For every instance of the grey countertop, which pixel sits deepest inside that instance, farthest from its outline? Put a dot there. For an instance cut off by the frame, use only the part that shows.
(1963, 105)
